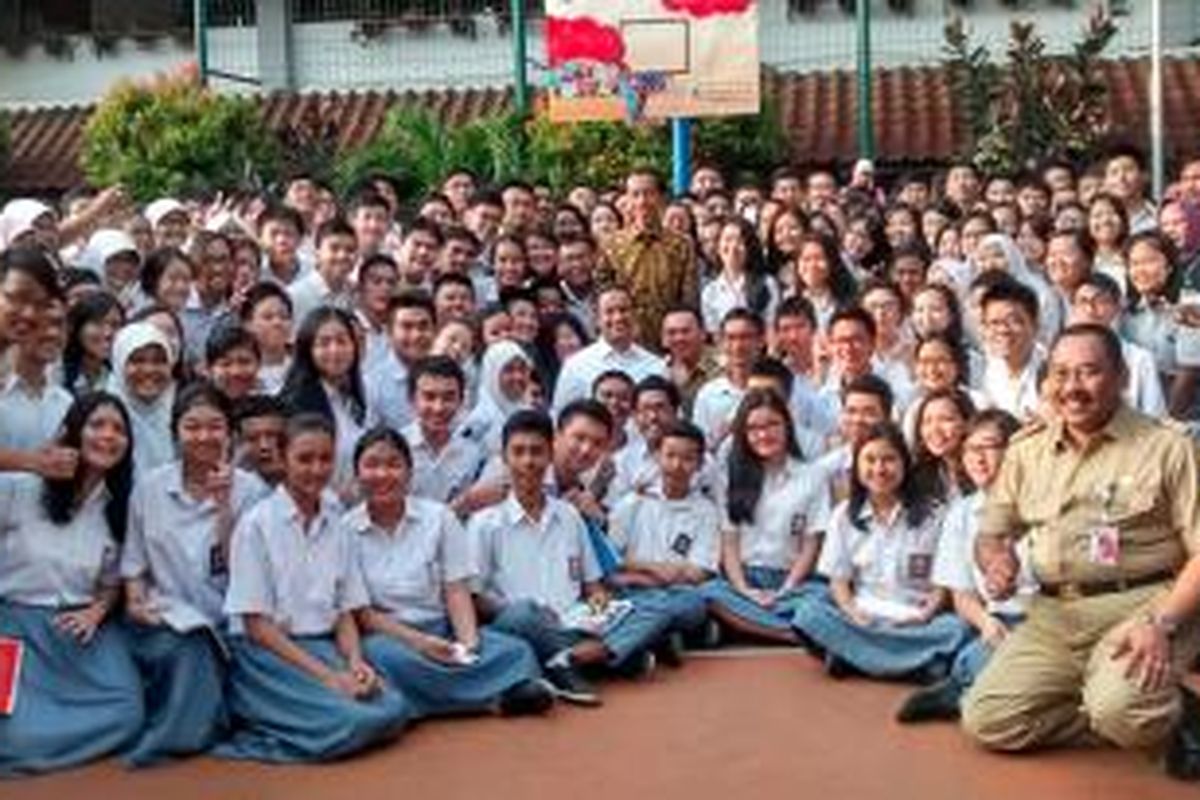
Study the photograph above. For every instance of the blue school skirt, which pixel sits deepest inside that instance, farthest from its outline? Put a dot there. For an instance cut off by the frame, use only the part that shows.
(434, 688)
(184, 676)
(880, 650)
(720, 592)
(75, 702)
(281, 714)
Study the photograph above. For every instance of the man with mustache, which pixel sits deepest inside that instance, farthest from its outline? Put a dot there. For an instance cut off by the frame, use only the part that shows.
(1108, 499)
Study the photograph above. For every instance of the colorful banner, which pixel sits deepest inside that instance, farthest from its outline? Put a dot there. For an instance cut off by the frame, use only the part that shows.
(633, 59)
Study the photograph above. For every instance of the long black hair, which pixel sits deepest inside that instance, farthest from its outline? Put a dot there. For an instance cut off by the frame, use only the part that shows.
(930, 470)
(915, 505)
(745, 469)
(91, 308)
(758, 291)
(841, 283)
(302, 390)
(61, 497)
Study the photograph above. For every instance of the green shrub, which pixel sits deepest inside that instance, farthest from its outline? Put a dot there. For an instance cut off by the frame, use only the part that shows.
(173, 136)
(593, 153)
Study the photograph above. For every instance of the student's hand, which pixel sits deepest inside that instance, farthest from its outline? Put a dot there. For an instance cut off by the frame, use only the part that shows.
(435, 648)
(343, 683)
(82, 623)
(993, 632)
(144, 612)
(690, 573)
(1149, 652)
(585, 503)
(762, 597)
(366, 678)
(56, 463)
(220, 485)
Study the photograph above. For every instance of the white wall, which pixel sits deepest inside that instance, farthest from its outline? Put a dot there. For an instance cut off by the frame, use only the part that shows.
(326, 57)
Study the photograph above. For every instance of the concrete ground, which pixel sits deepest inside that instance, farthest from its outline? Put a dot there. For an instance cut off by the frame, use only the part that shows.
(738, 726)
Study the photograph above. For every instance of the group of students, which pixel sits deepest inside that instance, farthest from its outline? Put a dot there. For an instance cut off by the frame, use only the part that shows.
(277, 497)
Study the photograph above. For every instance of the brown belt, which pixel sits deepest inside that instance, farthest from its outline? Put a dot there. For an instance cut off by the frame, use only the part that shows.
(1071, 590)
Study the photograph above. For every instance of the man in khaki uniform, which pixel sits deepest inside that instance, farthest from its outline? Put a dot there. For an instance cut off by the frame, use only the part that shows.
(1108, 500)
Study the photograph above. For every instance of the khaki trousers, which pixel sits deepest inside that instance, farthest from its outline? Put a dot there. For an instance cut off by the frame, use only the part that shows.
(1054, 681)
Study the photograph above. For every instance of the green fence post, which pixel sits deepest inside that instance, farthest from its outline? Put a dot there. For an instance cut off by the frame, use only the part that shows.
(200, 21)
(520, 45)
(866, 123)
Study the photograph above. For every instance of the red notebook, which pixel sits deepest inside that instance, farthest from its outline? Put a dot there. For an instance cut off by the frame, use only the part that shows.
(11, 652)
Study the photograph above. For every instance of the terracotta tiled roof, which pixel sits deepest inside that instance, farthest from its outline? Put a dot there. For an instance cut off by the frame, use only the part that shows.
(915, 117)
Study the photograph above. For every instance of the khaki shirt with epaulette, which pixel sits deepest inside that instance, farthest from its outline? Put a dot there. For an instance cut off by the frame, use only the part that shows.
(1138, 476)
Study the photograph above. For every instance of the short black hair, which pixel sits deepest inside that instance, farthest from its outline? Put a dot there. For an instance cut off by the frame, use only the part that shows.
(452, 279)
(436, 367)
(278, 212)
(260, 292)
(376, 435)
(224, 338)
(368, 197)
(33, 263)
(776, 370)
(592, 409)
(531, 421)
(797, 306)
(613, 375)
(657, 383)
(411, 299)
(873, 385)
(424, 225)
(857, 315)
(254, 406)
(1109, 340)
(1012, 291)
(155, 266)
(741, 314)
(338, 226)
(684, 429)
(200, 393)
(1104, 283)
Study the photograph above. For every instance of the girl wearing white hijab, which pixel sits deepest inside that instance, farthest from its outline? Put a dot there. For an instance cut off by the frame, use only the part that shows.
(142, 362)
(998, 251)
(503, 388)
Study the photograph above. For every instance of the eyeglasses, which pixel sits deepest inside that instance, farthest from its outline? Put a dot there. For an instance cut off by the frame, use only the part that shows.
(764, 427)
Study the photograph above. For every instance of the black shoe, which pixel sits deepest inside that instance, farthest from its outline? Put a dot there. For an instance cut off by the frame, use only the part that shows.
(1183, 751)
(569, 685)
(836, 668)
(936, 702)
(670, 650)
(527, 698)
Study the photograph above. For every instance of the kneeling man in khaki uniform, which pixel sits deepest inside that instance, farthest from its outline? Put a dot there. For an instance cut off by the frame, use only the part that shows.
(1107, 498)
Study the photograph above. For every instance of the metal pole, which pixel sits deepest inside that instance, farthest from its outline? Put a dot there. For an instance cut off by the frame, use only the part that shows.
(866, 126)
(1157, 158)
(681, 155)
(520, 75)
(200, 20)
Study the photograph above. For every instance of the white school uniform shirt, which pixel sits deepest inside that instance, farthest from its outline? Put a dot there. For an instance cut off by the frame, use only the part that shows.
(271, 377)
(301, 579)
(809, 409)
(582, 369)
(198, 322)
(30, 418)
(722, 295)
(444, 475)
(546, 560)
(891, 561)
(406, 569)
(954, 565)
(49, 565)
(387, 393)
(834, 468)
(171, 539)
(714, 408)
(312, 291)
(648, 527)
(1017, 395)
(348, 430)
(1154, 328)
(1144, 391)
(377, 344)
(791, 506)
(636, 470)
(302, 266)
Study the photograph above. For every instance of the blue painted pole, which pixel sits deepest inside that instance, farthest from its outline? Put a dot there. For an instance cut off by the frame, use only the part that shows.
(681, 155)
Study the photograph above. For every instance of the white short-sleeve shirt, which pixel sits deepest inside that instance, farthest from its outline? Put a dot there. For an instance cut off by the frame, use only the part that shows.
(545, 560)
(714, 408)
(890, 561)
(722, 295)
(406, 569)
(29, 418)
(50, 565)
(301, 579)
(650, 528)
(954, 566)
(387, 393)
(792, 505)
(171, 541)
(442, 476)
(582, 368)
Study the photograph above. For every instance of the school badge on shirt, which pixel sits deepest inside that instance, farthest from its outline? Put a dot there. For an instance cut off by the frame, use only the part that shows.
(681, 545)
(575, 568)
(920, 566)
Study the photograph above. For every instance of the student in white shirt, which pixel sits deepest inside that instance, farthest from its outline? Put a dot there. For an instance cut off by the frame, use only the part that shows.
(92, 324)
(743, 280)
(770, 535)
(866, 402)
(232, 360)
(1010, 322)
(503, 388)
(174, 564)
(207, 304)
(411, 327)
(421, 626)
(378, 277)
(954, 569)
(329, 283)
(615, 349)
(267, 314)
(299, 686)
(79, 692)
(535, 564)
(717, 401)
(795, 331)
(668, 534)
(446, 462)
(32, 406)
(852, 353)
(941, 426)
(882, 615)
(280, 230)
(143, 360)
(324, 378)
(261, 421)
(1098, 301)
